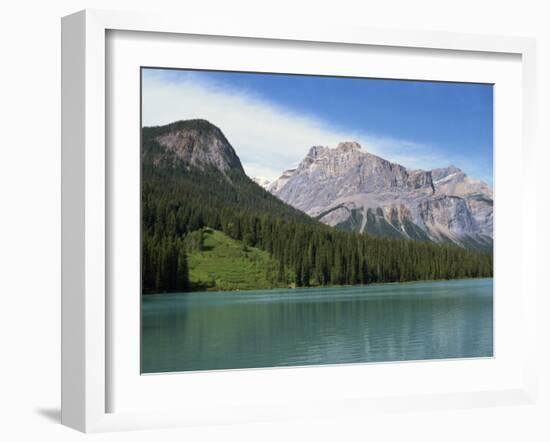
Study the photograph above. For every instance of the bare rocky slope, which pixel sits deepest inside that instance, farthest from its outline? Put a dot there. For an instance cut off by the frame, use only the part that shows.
(193, 143)
(354, 190)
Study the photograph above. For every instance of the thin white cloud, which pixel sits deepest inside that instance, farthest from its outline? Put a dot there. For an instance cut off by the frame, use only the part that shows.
(267, 137)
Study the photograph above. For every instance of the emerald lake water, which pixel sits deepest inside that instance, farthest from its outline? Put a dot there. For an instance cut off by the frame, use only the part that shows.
(310, 326)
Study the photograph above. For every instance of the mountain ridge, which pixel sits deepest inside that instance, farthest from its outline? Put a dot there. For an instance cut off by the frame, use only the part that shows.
(349, 188)
(196, 143)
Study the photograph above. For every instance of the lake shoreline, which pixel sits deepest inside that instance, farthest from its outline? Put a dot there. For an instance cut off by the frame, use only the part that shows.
(289, 289)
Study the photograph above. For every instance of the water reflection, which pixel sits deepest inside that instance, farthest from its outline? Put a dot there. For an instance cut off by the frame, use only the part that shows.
(390, 322)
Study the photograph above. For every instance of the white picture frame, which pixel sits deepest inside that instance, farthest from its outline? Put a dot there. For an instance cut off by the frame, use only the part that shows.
(86, 356)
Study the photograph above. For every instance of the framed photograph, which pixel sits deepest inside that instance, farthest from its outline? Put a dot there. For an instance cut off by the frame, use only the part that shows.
(264, 223)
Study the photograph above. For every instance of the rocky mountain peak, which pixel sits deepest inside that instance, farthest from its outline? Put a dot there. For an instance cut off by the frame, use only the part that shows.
(342, 148)
(454, 181)
(348, 188)
(445, 172)
(199, 143)
(317, 151)
(348, 146)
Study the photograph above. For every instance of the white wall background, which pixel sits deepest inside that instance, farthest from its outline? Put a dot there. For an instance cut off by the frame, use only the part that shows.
(30, 216)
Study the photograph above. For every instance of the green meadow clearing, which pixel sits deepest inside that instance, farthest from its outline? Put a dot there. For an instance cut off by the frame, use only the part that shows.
(222, 263)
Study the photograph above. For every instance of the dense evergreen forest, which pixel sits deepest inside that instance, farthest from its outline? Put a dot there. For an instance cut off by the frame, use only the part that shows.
(179, 202)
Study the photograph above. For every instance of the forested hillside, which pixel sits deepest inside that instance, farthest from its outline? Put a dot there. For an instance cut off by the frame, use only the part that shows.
(188, 186)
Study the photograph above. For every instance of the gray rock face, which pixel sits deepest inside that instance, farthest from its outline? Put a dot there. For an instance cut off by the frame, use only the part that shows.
(201, 144)
(355, 190)
(279, 183)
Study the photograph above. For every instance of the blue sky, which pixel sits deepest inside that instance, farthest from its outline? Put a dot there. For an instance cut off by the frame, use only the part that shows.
(272, 120)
